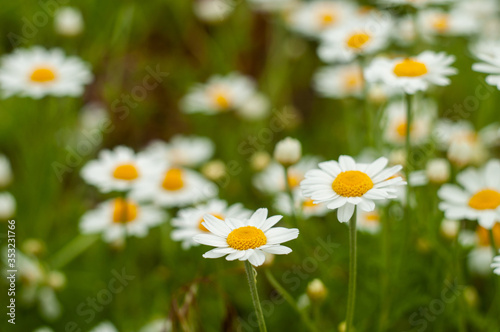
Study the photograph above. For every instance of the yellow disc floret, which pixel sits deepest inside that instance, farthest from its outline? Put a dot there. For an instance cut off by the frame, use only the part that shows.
(487, 199)
(247, 237)
(126, 172)
(410, 68)
(203, 228)
(358, 40)
(173, 180)
(124, 211)
(42, 75)
(352, 184)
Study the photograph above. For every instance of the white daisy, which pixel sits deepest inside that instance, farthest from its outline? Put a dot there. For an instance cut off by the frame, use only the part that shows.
(479, 260)
(345, 184)
(184, 151)
(315, 17)
(438, 22)
(339, 81)
(118, 169)
(303, 205)
(357, 37)
(68, 21)
(38, 72)
(368, 221)
(105, 327)
(174, 187)
(272, 179)
(188, 221)
(496, 265)
(412, 74)
(489, 55)
(395, 122)
(118, 218)
(7, 205)
(479, 199)
(246, 239)
(219, 94)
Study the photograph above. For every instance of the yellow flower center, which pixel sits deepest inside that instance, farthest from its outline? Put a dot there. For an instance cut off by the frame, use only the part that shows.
(402, 127)
(173, 180)
(327, 18)
(42, 75)
(484, 235)
(441, 23)
(353, 80)
(221, 99)
(126, 172)
(124, 211)
(487, 199)
(308, 203)
(294, 180)
(358, 40)
(216, 215)
(247, 237)
(372, 217)
(410, 68)
(352, 184)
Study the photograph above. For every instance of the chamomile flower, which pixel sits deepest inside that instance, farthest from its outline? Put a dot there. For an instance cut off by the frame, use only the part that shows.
(315, 17)
(479, 260)
(339, 81)
(246, 239)
(412, 74)
(183, 151)
(188, 221)
(438, 22)
(212, 11)
(358, 37)
(272, 179)
(345, 184)
(105, 327)
(301, 204)
(119, 169)
(496, 264)
(37, 72)
(368, 221)
(489, 55)
(119, 217)
(477, 199)
(219, 94)
(396, 122)
(174, 186)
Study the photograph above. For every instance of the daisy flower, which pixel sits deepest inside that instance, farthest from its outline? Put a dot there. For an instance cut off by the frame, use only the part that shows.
(119, 169)
(368, 222)
(345, 184)
(7, 205)
(174, 187)
(438, 22)
(37, 72)
(479, 260)
(477, 199)
(396, 122)
(188, 221)
(272, 179)
(219, 94)
(489, 55)
(496, 264)
(412, 74)
(339, 81)
(358, 37)
(119, 217)
(315, 17)
(306, 206)
(183, 151)
(246, 239)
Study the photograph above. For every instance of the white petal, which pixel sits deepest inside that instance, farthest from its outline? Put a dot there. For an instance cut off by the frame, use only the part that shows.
(210, 240)
(280, 234)
(345, 212)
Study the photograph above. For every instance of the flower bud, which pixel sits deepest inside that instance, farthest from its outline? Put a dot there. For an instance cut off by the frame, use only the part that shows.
(260, 160)
(438, 170)
(68, 21)
(288, 151)
(214, 170)
(316, 290)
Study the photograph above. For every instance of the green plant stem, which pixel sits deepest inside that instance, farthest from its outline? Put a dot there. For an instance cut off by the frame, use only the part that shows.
(409, 100)
(493, 244)
(252, 282)
(72, 250)
(351, 295)
(289, 298)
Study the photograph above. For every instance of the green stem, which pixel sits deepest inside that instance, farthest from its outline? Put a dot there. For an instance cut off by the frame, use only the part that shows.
(292, 200)
(72, 250)
(408, 99)
(351, 296)
(289, 298)
(493, 244)
(252, 282)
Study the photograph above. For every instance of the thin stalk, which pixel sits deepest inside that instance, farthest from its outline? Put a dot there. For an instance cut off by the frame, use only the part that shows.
(252, 282)
(493, 244)
(289, 298)
(408, 99)
(351, 295)
(72, 250)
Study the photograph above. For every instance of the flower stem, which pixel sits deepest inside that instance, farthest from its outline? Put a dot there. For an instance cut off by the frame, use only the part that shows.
(252, 282)
(289, 298)
(408, 99)
(351, 296)
(72, 250)
(493, 244)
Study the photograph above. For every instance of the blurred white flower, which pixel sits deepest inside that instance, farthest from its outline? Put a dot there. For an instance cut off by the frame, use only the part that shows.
(496, 265)
(339, 81)
(188, 221)
(479, 260)
(68, 21)
(37, 72)
(7, 205)
(438, 170)
(489, 55)
(304, 206)
(256, 108)
(246, 239)
(118, 218)
(412, 74)
(158, 325)
(368, 221)
(104, 327)
(212, 11)
(5, 171)
(288, 151)
(449, 228)
(438, 22)
(93, 116)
